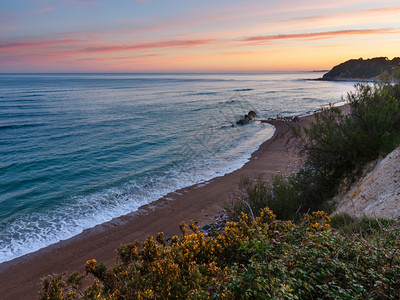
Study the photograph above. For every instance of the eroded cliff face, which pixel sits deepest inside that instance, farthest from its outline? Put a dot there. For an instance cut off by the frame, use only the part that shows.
(362, 69)
(376, 193)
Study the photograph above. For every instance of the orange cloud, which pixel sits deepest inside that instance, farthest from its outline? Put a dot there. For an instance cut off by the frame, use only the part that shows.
(379, 10)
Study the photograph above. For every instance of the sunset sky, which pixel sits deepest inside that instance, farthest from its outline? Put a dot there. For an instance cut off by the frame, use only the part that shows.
(193, 36)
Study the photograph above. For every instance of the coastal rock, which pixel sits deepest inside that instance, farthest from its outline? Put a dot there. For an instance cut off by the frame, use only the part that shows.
(362, 69)
(251, 116)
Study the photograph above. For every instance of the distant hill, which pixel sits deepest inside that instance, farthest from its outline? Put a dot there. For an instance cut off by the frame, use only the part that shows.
(362, 69)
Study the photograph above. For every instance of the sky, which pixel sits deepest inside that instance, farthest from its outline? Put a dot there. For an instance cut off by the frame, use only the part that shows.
(193, 35)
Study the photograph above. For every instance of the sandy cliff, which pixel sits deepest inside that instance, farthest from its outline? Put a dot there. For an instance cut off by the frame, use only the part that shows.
(377, 192)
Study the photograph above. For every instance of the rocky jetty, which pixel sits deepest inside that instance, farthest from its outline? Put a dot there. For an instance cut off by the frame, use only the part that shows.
(288, 118)
(283, 118)
(251, 116)
(362, 69)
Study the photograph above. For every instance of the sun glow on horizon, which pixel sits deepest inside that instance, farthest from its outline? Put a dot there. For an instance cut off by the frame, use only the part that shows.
(154, 36)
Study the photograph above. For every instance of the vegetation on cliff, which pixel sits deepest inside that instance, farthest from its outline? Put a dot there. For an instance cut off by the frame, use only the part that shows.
(362, 68)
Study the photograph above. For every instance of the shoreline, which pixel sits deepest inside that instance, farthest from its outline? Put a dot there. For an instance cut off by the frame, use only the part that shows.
(201, 202)
(231, 158)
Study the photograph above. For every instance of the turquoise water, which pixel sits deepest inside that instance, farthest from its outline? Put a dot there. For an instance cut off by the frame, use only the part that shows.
(80, 149)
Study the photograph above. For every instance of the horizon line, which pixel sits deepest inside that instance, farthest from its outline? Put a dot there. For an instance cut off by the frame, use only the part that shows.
(179, 72)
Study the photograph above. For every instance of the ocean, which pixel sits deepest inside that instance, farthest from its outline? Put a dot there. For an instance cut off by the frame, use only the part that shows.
(80, 149)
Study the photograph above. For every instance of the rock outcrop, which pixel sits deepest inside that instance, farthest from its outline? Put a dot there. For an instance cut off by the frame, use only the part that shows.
(251, 116)
(362, 69)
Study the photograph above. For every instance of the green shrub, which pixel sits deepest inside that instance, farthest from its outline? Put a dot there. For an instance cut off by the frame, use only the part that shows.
(253, 195)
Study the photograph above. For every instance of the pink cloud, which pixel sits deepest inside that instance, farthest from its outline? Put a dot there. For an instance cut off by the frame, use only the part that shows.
(376, 11)
(6, 28)
(37, 44)
(161, 44)
(108, 59)
(326, 34)
(82, 3)
(44, 10)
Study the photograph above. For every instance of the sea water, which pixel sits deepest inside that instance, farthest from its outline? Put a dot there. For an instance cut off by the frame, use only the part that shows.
(77, 150)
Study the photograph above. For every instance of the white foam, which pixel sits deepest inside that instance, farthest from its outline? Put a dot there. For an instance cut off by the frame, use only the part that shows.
(33, 232)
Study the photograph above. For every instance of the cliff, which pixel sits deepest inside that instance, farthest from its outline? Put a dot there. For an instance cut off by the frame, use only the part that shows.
(376, 193)
(362, 69)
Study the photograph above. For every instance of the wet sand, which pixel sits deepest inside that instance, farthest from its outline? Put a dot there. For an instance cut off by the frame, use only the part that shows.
(20, 278)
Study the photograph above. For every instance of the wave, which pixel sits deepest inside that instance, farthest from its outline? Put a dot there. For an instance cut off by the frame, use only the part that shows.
(3, 127)
(203, 94)
(243, 90)
(31, 96)
(31, 232)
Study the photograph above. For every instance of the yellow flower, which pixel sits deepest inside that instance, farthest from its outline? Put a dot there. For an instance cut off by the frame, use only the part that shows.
(91, 265)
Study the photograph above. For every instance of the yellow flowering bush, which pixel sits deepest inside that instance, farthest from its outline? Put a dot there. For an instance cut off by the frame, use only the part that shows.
(256, 258)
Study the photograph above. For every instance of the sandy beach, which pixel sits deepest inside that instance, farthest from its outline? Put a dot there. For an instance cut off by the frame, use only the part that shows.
(20, 277)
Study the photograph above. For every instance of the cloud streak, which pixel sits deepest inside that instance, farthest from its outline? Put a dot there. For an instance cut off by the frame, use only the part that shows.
(7, 28)
(326, 34)
(352, 14)
(29, 44)
(44, 10)
(382, 10)
(82, 3)
(154, 45)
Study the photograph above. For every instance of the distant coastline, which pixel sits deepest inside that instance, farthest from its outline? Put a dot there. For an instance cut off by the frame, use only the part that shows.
(362, 69)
